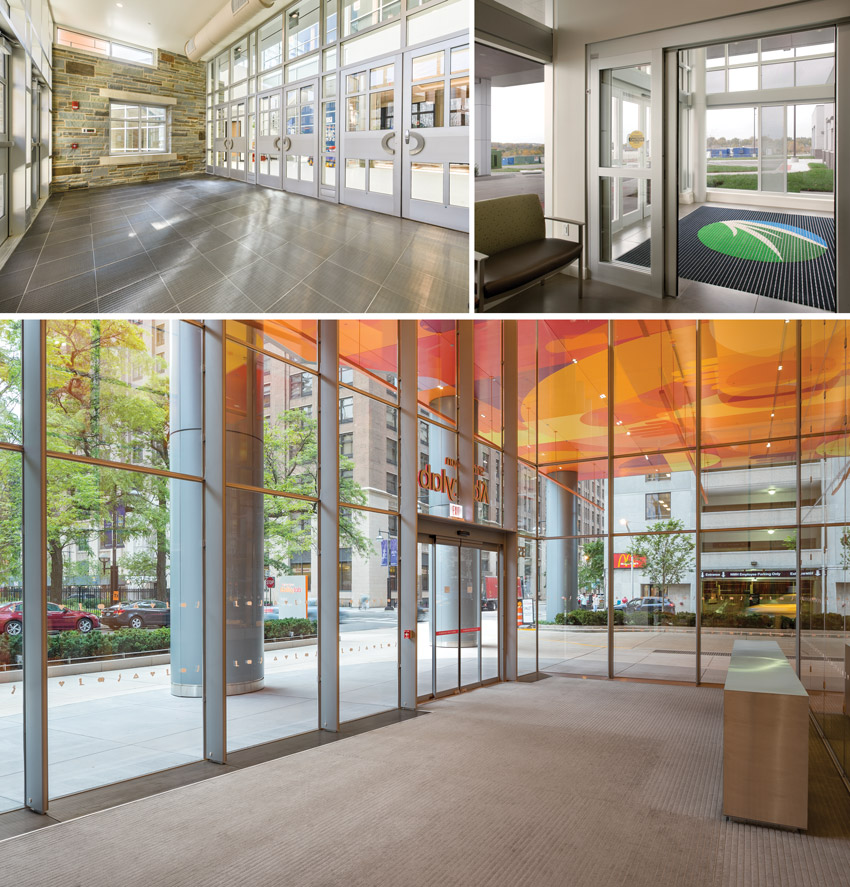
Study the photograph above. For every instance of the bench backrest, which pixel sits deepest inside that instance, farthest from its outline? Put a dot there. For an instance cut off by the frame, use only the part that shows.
(508, 221)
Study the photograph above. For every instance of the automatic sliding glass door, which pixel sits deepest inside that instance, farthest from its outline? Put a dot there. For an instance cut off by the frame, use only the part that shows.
(458, 608)
(626, 171)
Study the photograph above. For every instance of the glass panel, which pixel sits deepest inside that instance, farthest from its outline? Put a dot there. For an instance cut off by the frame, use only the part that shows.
(470, 595)
(107, 390)
(526, 498)
(271, 563)
(424, 619)
(527, 356)
(427, 105)
(298, 70)
(428, 67)
(625, 97)
(375, 43)
(748, 583)
(426, 182)
(437, 361)
(11, 778)
(381, 176)
(331, 19)
(329, 172)
(382, 77)
(487, 368)
(302, 28)
(459, 108)
(655, 606)
(292, 166)
(743, 51)
(10, 382)
(239, 55)
(655, 381)
(355, 120)
(270, 44)
(355, 82)
(329, 128)
(774, 149)
(115, 537)
(306, 168)
(355, 174)
(295, 340)
(487, 565)
(715, 81)
(368, 352)
(460, 60)
(487, 485)
(741, 79)
(437, 478)
(573, 499)
(445, 615)
(368, 613)
(777, 76)
(275, 78)
(526, 606)
(815, 72)
(437, 21)
(272, 407)
(382, 106)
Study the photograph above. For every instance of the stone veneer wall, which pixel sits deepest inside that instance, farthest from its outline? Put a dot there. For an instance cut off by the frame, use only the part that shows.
(79, 77)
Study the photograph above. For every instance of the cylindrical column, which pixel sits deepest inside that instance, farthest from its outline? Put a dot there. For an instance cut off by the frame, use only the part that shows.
(561, 565)
(187, 507)
(243, 455)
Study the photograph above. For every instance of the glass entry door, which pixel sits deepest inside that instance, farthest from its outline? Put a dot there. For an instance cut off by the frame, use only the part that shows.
(626, 170)
(436, 135)
(35, 158)
(405, 135)
(458, 638)
(269, 139)
(301, 138)
(371, 173)
(230, 146)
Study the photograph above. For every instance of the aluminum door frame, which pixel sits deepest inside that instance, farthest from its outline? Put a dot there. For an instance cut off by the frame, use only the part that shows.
(238, 144)
(270, 144)
(371, 144)
(306, 144)
(460, 544)
(621, 274)
(445, 145)
(221, 143)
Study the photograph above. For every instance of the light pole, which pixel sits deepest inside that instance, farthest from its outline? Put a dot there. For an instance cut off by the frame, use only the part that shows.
(625, 523)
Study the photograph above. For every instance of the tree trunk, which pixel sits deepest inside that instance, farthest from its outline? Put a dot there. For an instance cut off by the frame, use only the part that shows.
(56, 571)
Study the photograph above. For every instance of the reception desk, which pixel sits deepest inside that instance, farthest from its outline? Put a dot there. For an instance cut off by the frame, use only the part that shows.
(765, 738)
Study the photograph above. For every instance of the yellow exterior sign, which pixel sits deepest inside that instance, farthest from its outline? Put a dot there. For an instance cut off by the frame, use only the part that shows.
(636, 139)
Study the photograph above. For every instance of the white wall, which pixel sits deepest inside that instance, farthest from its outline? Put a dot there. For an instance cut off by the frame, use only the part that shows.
(578, 23)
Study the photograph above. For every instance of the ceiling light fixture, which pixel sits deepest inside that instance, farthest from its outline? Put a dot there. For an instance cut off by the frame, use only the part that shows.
(780, 366)
(771, 492)
(602, 396)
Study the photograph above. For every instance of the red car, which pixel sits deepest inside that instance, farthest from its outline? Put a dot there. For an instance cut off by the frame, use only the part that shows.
(58, 619)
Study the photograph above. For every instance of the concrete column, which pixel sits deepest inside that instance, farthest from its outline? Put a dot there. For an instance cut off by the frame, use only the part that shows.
(187, 506)
(408, 496)
(34, 471)
(329, 526)
(243, 455)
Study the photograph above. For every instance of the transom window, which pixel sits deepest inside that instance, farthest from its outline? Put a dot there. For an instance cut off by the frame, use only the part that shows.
(101, 46)
(138, 129)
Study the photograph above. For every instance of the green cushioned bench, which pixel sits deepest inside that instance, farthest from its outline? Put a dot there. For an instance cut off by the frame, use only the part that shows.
(512, 251)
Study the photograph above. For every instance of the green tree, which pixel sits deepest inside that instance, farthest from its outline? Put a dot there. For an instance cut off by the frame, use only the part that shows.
(669, 553)
(591, 569)
(290, 465)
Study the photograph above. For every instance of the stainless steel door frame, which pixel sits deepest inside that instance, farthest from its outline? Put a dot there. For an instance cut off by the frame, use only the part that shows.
(221, 139)
(370, 166)
(238, 135)
(301, 159)
(269, 148)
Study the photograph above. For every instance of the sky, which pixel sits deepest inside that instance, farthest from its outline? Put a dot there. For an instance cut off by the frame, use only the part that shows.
(517, 113)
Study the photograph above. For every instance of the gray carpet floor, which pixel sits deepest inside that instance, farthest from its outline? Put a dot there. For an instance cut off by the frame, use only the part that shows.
(559, 782)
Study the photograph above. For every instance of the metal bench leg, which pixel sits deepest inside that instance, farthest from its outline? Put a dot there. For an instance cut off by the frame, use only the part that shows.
(580, 276)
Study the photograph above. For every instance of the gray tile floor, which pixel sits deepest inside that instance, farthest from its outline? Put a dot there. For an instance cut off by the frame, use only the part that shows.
(209, 245)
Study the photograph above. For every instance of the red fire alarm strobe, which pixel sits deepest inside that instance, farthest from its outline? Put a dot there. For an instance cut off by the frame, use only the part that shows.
(74, 146)
(409, 634)
(75, 106)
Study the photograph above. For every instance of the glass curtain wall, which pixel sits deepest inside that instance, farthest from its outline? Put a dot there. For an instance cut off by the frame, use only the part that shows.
(11, 674)
(271, 457)
(369, 484)
(124, 597)
(726, 446)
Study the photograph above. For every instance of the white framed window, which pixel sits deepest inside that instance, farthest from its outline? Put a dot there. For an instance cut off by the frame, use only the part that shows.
(137, 129)
(124, 52)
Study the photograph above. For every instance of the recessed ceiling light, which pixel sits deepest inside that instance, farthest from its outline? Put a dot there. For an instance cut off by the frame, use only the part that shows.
(771, 492)
(770, 532)
(574, 360)
(768, 446)
(602, 396)
(772, 415)
(120, 5)
(780, 366)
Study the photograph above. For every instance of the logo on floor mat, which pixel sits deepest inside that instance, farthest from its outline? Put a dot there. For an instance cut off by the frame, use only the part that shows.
(762, 241)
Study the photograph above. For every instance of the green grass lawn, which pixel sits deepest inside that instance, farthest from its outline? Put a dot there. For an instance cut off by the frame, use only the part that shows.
(816, 178)
(720, 167)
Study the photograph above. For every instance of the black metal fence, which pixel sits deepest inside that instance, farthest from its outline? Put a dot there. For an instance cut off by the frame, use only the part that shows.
(91, 597)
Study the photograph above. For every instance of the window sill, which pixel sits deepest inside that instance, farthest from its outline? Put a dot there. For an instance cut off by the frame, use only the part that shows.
(134, 159)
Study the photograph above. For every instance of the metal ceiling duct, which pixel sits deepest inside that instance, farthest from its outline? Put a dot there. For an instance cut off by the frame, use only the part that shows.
(222, 24)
